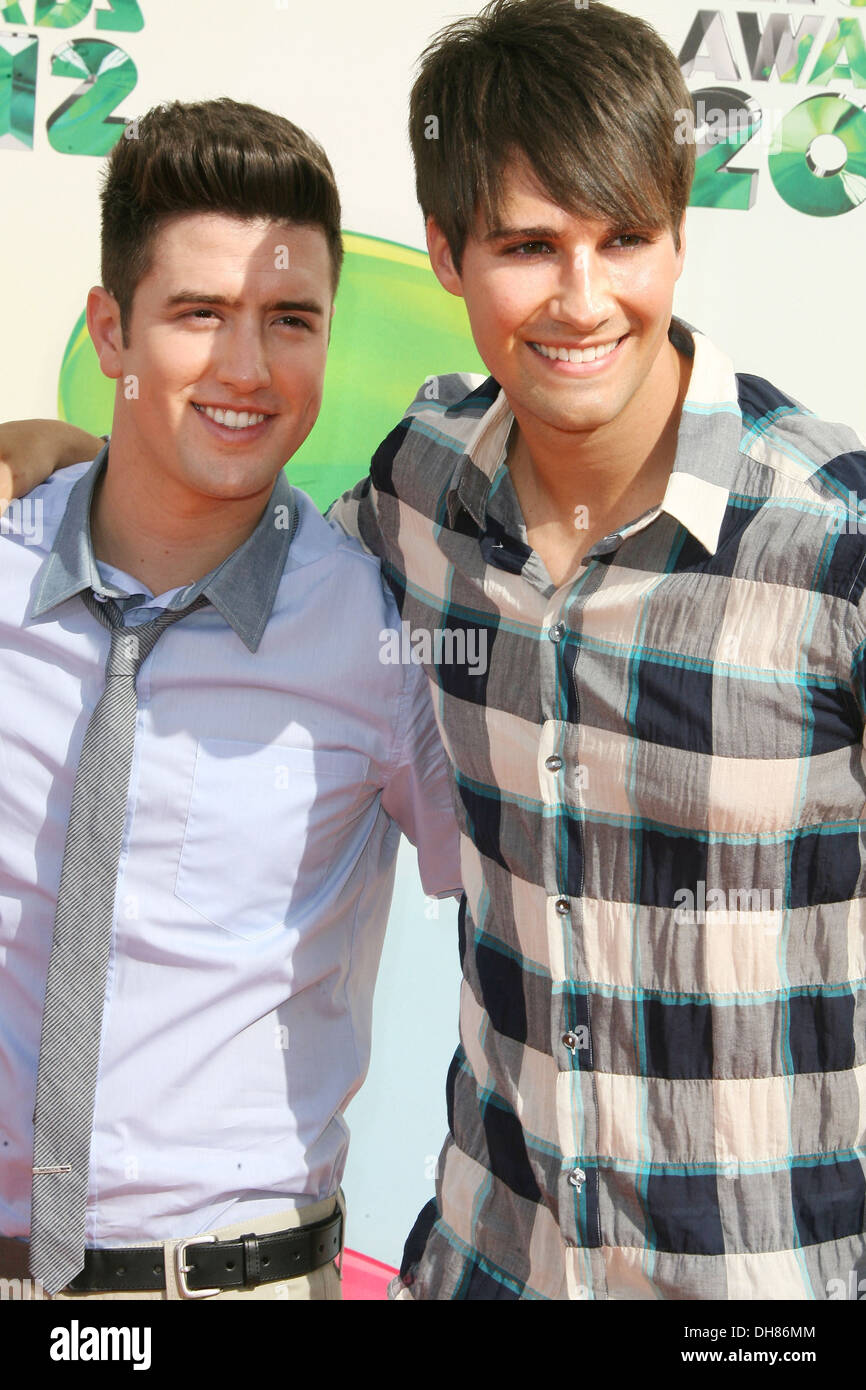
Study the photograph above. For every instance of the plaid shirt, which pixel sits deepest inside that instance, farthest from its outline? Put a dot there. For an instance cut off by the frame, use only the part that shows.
(660, 1090)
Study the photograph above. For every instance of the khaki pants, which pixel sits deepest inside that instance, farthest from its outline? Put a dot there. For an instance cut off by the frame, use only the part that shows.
(323, 1283)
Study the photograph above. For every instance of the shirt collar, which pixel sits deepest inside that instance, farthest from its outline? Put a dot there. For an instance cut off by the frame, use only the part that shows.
(710, 429)
(483, 455)
(242, 588)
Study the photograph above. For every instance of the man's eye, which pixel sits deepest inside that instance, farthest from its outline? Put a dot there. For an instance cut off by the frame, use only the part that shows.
(293, 322)
(201, 314)
(528, 248)
(628, 240)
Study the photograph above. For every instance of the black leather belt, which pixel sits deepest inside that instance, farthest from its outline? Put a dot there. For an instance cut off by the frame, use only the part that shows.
(206, 1265)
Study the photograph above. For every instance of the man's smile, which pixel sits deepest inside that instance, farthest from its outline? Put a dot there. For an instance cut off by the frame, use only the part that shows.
(227, 418)
(596, 356)
(573, 354)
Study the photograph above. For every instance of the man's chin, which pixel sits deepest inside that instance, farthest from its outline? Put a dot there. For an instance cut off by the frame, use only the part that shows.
(582, 420)
(216, 485)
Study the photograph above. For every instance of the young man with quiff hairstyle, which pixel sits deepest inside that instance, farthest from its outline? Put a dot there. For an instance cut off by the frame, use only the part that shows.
(206, 765)
(658, 1091)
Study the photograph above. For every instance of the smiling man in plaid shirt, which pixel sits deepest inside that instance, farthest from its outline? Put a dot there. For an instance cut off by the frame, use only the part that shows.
(660, 1090)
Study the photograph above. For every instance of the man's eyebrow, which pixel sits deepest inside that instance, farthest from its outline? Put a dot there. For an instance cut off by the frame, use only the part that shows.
(614, 228)
(283, 306)
(521, 234)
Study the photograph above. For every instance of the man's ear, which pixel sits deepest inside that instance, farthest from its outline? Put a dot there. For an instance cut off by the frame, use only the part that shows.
(103, 324)
(441, 258)
(681, 253)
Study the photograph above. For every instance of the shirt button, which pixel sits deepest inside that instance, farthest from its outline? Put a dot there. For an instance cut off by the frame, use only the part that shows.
(577, 1177)
(563, 906)
(570, 1041)
(557, 632)
(553, 763)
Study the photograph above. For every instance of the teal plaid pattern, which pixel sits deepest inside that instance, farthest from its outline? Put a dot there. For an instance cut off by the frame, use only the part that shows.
(660, 1088)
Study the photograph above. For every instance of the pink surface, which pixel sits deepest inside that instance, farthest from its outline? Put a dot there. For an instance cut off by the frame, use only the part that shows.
(364, 1278)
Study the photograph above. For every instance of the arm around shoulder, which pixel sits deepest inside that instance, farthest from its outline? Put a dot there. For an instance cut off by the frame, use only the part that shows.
(31, 450)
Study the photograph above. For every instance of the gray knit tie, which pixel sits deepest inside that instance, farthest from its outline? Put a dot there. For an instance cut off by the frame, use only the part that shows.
(78, 966)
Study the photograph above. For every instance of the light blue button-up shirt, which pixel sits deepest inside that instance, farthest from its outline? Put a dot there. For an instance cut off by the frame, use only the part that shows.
(276, 761)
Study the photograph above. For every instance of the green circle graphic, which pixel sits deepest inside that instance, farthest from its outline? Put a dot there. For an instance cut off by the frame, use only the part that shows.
(394, 326)
(801, 188)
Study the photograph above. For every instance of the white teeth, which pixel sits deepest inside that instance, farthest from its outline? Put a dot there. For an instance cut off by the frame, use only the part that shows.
(578, 355)
(232, 419)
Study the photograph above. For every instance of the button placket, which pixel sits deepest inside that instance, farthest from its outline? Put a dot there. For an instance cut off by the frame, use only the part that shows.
(572, 1047)
(554, 764)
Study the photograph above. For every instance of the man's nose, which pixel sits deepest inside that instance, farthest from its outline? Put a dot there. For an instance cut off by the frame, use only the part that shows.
(583, 294)
(243, 360)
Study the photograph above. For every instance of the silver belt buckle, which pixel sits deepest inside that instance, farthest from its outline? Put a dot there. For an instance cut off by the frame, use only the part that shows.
(182, 1269)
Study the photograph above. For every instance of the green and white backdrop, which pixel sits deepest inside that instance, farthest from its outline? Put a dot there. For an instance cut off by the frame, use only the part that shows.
(775, 273)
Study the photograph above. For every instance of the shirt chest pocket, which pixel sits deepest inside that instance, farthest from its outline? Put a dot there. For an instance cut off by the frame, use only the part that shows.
(264, 824)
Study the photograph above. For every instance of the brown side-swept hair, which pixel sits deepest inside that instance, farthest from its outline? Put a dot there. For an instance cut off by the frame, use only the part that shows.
(586, 96)
(210, 156)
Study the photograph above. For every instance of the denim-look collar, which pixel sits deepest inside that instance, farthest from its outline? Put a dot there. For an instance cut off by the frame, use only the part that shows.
(242, 588)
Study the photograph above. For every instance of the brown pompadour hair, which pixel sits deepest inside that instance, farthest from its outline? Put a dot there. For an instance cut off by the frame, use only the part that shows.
(585, 96)
(211, 156)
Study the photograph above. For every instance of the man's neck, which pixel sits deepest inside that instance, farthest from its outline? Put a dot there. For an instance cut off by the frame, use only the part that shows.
(574, 489)
(159, 532)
